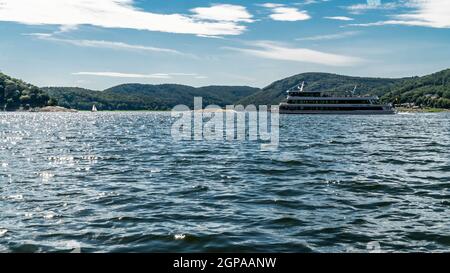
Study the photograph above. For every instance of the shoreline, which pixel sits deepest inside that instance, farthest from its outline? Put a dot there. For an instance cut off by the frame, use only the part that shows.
(59, 109)
(422, 110)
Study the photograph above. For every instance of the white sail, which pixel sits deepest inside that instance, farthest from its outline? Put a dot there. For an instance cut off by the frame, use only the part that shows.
(94, 108)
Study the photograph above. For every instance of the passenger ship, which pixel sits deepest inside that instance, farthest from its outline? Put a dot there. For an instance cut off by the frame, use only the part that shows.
(306, 102)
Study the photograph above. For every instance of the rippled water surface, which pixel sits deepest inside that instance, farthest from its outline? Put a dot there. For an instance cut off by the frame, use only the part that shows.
(117, 182)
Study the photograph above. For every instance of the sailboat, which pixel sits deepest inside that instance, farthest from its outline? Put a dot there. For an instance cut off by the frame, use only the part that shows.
(94, 108)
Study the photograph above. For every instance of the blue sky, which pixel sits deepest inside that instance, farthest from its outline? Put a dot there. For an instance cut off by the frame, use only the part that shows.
(101, 43)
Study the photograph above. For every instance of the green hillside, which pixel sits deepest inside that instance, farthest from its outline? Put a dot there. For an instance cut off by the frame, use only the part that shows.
(16, 94)
(324, 82)
(147, 97)
(428, 91)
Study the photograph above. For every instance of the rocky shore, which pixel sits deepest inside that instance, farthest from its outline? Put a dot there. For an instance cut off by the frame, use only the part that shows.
(420, 110)
(54, 109)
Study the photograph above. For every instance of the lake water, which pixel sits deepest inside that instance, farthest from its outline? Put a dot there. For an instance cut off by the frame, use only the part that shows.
(117, 182)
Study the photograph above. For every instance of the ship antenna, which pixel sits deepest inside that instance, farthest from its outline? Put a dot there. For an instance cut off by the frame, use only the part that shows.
(354, 90)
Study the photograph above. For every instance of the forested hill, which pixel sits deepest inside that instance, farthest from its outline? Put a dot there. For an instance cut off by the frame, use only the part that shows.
(323, 82)
(430, 91)
(16, 94)
(427, 91)
(146, 96)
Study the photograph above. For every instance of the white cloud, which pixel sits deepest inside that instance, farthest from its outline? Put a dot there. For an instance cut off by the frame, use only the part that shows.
(271, 5)
(123, 14)
(339, 18)
(123, 75)
(375, 24)
(270, 50)
(105, 44)
(223, 12)
(330, 36)
(281, 12)
(425, 13)
(289, 14)
(66, 28)
(119, 45)
(310, 2)
(137, 76)
(376, 5)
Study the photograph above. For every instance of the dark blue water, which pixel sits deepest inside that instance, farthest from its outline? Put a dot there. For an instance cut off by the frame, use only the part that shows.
(117, 182)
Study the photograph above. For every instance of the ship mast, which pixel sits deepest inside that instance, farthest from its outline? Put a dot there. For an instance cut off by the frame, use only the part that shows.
(354, 90)
(297, 87)
(302, 87)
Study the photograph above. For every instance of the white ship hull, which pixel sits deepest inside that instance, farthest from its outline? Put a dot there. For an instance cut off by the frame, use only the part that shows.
(314, 102)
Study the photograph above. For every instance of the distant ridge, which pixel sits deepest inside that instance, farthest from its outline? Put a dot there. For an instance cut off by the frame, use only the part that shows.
(147, 96)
